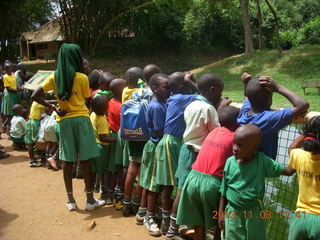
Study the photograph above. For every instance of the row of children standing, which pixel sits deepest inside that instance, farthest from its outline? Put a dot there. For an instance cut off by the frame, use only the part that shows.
(191, 138)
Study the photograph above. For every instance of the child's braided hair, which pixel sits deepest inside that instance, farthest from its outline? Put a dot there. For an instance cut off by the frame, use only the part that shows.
(311, 131)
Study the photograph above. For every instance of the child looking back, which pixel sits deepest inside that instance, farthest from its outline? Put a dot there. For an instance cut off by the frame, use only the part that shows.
(206, 175)
(305, 159)
(243, 186)
(256, 110)
(105, 79)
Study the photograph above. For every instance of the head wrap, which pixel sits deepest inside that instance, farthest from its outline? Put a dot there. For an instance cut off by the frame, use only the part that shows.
(69, 62)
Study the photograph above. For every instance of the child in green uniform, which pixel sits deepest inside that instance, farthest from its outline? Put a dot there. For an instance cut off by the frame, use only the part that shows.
(168, 148)
(18, 127)
(114, 173)
(101, 130)
(10, 94)
(32, 130)
(241, 211)
(135, 150)
(201, 117)
(200, 194)
(76, 135)
(148, 71)
(105, 79)
(305, 159)
(155, 117)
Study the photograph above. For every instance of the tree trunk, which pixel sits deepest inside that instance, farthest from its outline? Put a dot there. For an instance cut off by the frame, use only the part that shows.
(249, 48)
(262, 44)
(276, 19)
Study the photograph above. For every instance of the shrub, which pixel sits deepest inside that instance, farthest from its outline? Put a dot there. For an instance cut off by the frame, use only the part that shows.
(312, 31)
(292, 36)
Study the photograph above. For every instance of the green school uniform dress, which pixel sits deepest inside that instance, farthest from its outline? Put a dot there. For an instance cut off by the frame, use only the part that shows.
(244, 187)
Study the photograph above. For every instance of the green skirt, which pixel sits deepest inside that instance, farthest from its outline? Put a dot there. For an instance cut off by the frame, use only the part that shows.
(99, 164)
(9, 99)
(112, 167)
(304, 226)
(122, 152)
(148, 167)
(186, 158)
(245, 223)
(32, 129)
(199, 199)
(167, 154)
(77, 139)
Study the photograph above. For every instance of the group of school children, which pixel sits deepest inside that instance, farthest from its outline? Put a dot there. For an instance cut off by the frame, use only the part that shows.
(212, 157)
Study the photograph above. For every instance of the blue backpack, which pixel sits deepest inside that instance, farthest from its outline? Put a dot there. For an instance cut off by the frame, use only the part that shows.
(133, 124)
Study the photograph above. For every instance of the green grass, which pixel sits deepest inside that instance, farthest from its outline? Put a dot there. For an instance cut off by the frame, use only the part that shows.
(168, 62)
(299, 63)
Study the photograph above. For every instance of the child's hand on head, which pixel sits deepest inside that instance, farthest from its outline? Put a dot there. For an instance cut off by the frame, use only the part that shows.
(269, 84)
(189, 76)
(245, 77)
(224, 102)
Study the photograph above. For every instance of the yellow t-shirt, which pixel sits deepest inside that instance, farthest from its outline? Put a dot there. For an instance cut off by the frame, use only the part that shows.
(76, 104)
(10, 81)
(307, 166)
(127, 93)
(100, 126)
(36, 110)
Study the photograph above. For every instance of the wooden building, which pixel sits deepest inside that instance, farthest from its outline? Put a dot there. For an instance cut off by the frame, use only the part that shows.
(43, 42)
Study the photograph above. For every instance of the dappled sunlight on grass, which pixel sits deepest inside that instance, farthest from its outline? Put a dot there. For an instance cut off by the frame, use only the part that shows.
(289, 69)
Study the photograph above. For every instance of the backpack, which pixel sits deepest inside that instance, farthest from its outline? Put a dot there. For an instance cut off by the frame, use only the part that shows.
(133, 125)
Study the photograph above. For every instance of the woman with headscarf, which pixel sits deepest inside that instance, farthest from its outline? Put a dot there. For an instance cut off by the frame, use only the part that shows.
(76, 136)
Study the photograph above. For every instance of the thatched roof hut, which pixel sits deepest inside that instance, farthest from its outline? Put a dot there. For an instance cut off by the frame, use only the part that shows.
(43, 42)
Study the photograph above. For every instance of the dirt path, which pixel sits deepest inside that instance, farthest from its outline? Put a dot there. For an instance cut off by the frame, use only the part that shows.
(32, 206)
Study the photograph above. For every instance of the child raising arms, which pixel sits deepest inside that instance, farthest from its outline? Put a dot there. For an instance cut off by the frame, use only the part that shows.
(306, 161)
(256, 110)
(243, 186)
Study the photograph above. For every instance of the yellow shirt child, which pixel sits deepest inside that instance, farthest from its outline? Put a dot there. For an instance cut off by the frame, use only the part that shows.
(100, 126)
(75, 105)
(10, 81)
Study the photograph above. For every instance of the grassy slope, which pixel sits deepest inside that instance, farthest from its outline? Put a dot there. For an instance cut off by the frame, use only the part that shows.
(299, 63)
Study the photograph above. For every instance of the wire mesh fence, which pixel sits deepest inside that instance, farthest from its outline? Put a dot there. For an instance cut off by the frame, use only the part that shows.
(281, 193)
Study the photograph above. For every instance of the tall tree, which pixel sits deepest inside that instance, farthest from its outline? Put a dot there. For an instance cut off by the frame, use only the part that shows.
(249, 47)
(276, 20)
(260, 22)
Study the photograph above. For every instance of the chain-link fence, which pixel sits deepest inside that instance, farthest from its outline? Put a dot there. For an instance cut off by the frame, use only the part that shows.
(281, 193)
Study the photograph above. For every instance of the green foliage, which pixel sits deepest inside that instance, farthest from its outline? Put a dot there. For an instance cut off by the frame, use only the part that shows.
(293, 36)
(214, 23)
(18, 16)
(295, 65)
(312, 30)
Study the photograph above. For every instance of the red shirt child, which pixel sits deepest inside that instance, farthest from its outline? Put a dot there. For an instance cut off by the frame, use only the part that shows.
(114, 112)
(215, 150)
